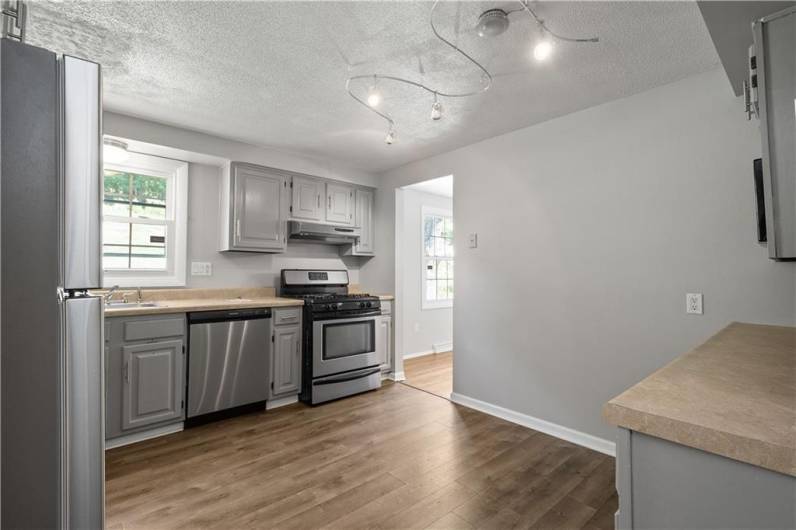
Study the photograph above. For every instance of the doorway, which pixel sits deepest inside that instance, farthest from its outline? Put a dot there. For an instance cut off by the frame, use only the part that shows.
(425, 263)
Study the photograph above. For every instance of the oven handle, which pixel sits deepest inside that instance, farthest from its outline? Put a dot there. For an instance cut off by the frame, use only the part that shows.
(351, 377)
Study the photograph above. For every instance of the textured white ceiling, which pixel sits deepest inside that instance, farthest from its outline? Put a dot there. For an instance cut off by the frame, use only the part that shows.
(273, 73)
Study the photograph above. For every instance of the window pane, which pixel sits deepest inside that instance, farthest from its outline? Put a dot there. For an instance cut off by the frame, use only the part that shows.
(431, 290)
(431, 272)
(428, 246)
(439, 226)
(450, 269)
(116, 207)
(448, 247)
(115, 256)
(439, 246)
(449, 290)
(116, 183)
(448, 227)
(442, 269)
(149, 235)
(146, 211)
(148, 258)
(115, 233)
(149, 189)
(428, 226)
(441, 286)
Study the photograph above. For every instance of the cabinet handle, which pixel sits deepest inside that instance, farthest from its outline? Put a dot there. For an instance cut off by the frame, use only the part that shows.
(330, 202)
(319, 201)
(127, 372)
(237, 228)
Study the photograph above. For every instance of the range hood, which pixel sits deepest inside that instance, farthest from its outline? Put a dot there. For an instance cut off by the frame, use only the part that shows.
(321, 233)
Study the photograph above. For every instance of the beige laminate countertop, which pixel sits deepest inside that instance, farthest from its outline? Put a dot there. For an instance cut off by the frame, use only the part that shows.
(734, 396)
(185, 300)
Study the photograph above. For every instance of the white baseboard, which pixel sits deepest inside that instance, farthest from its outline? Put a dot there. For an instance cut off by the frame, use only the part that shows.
(144, 435)
(280, 402)
(397, 376)
(553, 429)
(418, 354)
(442, 347)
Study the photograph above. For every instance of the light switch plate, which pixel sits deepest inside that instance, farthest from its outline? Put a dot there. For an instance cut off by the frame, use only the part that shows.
(201, 268)
(472, 240)
(693, 303)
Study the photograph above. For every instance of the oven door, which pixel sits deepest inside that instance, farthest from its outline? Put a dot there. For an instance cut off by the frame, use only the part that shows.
(341, 345)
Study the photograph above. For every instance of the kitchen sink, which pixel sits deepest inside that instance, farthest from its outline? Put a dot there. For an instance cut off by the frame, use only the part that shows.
(122, 303)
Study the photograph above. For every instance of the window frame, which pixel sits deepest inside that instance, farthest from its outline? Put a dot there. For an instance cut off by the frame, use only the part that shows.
(176, 173)
(426, 304)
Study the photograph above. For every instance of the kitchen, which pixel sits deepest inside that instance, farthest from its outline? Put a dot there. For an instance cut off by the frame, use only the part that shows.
(224, 353)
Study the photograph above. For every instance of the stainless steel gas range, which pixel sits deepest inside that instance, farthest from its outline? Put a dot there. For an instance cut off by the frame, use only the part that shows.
(339, 335)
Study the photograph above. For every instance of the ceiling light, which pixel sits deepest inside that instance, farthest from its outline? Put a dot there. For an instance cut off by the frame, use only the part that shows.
(436, 109)
(374, 95)
(492, 23)
(543, 50)
(114, 151)
(390, 138)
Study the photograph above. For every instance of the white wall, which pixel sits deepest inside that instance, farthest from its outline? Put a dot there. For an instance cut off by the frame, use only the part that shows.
(421, 328)
(592, 227)
(236, 269)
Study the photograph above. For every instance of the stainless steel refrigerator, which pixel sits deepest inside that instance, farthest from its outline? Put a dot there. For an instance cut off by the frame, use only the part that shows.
(51, 337)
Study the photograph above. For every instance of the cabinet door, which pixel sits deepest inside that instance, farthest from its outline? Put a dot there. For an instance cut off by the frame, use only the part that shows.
(153, 390)
(384, 342)
(258, 213)
(307, 197)
(286, 366)
(364, 219)
(339, 203)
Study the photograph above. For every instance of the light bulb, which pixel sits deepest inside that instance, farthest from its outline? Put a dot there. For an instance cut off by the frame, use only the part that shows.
(374, 96)
(542, 50)
(390, 138)
(436, 110)
(114, 151)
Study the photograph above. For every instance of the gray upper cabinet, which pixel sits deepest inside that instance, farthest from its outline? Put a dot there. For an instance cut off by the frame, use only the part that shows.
(775, 42)
(253, 209)
(152, 383)
(365, 220)
(339, 203)
(286, 364)
(308, 198)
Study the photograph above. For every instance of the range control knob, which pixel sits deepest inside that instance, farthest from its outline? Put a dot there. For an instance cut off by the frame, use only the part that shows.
(370, 304)
(329, 307)
(361, 304)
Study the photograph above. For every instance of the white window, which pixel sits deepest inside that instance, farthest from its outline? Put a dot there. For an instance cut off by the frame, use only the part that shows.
(437, 258)
(144, 222)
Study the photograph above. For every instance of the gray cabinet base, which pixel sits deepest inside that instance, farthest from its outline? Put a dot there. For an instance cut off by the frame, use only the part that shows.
(668, 485)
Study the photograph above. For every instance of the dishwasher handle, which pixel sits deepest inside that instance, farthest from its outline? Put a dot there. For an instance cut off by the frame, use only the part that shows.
(205, 317)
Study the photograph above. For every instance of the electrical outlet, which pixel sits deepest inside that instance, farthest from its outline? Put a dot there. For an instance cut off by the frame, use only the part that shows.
(693, 303)
(472, 240)
(201, 268)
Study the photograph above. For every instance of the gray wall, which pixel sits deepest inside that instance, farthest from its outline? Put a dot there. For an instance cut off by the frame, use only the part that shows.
(236, 269)
(592, 227)
(422, 327)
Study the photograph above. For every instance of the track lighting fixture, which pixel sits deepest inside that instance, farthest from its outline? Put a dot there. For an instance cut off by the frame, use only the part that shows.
(374, 94)
(543, 49)
(436, 109)
(491, 22)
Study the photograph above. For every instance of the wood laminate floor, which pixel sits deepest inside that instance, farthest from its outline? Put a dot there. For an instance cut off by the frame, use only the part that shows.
(393, 458)
(432, 373)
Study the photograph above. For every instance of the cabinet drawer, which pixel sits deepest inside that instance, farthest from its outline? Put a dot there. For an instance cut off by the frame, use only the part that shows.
(153, 329)
(287, 316)
(386, 307)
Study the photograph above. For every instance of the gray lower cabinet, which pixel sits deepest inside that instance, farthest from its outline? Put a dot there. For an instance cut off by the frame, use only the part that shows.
(145, 373)
(153, 375)
(286, 353)
(384, 342)
(662, 484)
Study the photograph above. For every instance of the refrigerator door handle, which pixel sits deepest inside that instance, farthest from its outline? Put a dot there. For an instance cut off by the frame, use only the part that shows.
(81, 173)
(83, 436)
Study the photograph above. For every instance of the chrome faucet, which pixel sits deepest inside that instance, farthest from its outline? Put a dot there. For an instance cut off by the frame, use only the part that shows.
(109, 294)
(140, 296)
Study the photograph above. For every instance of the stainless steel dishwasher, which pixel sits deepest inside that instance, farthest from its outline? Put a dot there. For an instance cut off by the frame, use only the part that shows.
(228, 363)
